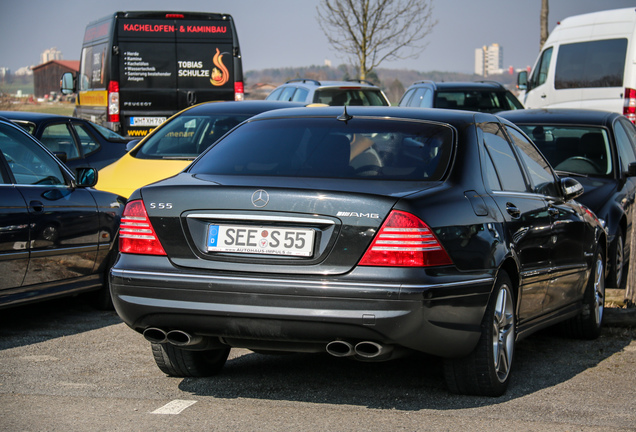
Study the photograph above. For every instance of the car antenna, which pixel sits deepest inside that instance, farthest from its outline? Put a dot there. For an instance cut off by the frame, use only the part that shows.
(345, 117)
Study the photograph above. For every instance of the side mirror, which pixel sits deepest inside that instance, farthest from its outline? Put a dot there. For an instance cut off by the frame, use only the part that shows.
(571, 188)
(631, 169)
(522, 80)
(67, 83)
(131, 144)
(86, 177)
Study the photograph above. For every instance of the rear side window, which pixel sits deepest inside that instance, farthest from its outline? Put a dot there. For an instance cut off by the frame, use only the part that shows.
(504, 162)
(328, 148)
(591, 64)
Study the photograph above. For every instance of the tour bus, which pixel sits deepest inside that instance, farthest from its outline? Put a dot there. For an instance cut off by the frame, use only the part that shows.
(588, 61)
(139, 68)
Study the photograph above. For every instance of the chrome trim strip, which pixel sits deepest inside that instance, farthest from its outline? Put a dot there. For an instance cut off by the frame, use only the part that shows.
(246, 310)
(165, 276)
(260, 218)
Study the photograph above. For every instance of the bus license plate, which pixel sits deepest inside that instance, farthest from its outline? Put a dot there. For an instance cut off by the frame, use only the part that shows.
(260, 240)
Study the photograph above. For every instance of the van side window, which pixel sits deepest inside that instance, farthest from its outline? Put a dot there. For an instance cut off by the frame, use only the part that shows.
(598, 63)
(540, 74)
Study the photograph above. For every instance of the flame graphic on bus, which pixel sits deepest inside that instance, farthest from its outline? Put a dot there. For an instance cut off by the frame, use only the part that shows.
(220, 75)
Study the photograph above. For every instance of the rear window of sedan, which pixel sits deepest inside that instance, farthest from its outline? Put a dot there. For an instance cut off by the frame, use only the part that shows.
(482, 101)
(354, 96)
(329, 148)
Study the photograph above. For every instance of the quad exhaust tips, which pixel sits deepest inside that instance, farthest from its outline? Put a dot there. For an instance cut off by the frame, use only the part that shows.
(366, 350)
(180, 339)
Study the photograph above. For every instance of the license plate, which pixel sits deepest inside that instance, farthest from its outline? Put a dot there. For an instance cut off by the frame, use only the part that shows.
(261, 240)
(146, 121)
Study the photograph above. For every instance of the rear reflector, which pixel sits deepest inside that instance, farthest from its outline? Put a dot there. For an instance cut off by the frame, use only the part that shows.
(404, 240)
(136, 234)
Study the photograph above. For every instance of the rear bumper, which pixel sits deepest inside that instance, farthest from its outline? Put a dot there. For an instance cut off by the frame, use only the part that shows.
(440, 316)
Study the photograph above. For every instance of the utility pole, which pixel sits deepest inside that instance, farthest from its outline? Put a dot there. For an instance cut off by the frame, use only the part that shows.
(543, 23)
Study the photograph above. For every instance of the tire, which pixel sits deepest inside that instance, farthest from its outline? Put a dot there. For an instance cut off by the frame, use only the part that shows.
(617, 264)
(486, 371)
(587, 325)
(178, 362)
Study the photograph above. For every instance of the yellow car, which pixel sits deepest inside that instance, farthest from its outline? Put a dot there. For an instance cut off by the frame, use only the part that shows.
(171, 147)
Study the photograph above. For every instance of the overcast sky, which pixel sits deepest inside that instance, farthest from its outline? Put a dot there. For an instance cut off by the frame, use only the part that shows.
(285, 33)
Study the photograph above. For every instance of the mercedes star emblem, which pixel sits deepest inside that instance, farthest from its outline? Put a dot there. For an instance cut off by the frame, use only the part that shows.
(260, 198)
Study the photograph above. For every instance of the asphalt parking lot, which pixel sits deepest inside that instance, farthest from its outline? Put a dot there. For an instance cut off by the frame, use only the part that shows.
(67, 367)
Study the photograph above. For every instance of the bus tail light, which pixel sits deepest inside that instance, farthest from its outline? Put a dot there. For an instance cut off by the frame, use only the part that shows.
(113, 102)
(629, 108)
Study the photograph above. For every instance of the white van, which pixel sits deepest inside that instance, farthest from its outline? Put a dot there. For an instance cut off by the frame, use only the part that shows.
(588, 61)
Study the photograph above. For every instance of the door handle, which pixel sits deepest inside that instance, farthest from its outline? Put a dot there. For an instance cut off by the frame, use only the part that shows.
(543, 96)
(513, 210)
(36, 205)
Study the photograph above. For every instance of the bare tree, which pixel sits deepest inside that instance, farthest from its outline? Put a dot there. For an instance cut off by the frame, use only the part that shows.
(372, 31)
(544, 22)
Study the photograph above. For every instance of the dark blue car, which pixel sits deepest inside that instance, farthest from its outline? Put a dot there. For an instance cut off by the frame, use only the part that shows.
(77, 142)
(598, 148)
(57, 234)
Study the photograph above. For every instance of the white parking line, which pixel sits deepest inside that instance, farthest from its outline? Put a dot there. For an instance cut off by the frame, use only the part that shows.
(174, 407)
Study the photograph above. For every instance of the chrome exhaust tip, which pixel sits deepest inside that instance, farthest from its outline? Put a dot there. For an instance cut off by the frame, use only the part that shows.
(155, 335)
(182, 339)
(372, 350)
(339, 348)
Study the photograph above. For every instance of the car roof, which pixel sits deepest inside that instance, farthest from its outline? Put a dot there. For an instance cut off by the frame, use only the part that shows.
(346, 83)
(242, 107)
(33, 116)
(454, 117)
(463, 85)
(559, 116)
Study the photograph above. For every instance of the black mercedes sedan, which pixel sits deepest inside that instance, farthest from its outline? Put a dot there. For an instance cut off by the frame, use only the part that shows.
(363, 232)
(57, 234)
(77, 142)
(598, 148)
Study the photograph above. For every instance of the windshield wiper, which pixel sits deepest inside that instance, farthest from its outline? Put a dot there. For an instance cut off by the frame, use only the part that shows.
(179, 157)
(570, 173)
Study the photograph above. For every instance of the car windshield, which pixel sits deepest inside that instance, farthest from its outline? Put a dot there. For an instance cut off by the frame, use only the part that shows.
(107, 133)
(328, 148)
(186, 136)
(475, 100)
(349, 96)
(573, 149)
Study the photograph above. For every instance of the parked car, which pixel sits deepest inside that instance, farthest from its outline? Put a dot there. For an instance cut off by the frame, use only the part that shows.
(365, 232)
(57, 234)
(308, 91)
(77, 142)
(483, 96)
(172, 146)
(599, 149)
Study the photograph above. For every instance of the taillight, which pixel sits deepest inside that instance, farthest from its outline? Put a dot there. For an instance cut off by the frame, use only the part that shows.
(404, 240)
(239, 91)
(136, 234)
(113, 102)
(629, 107)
